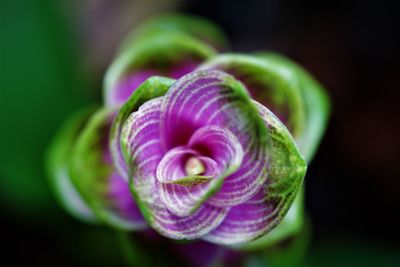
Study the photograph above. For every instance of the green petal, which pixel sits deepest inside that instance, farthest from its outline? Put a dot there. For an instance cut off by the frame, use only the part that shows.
(268, 82)
(57, 158)
(197, 27)
(316, 103)
(91, 172)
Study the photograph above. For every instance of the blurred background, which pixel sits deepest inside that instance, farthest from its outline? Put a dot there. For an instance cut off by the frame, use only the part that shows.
(53, 55)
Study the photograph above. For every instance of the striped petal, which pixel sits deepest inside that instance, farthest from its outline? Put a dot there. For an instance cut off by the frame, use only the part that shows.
(269, 83)
(222, 156)
(151, 88)
(203, 221)
(219, 144)
(215, 98)
(140, 138)
(260, 214)
(144, 182)
(95, 177)
(171, 168)
(244, 222)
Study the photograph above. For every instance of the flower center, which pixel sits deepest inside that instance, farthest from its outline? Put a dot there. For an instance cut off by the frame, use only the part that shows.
(194, 166)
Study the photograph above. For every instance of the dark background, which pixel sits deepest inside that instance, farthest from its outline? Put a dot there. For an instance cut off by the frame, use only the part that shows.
(52, 58)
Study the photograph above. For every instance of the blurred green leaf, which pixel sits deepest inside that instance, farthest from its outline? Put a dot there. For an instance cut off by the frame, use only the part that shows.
(39, 85)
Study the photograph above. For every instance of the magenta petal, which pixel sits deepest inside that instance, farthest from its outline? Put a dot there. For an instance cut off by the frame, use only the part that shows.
(127, 86)
(219, 144)
(178, 199)
(172, 166)
(260, 214)
(245, 182)
(179, 70)
(122, 199)
(144, 152)
(246, 221)
(203, 221)
(196, 100)
(207, 98)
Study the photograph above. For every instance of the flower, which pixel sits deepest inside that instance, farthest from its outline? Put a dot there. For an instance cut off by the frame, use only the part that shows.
(217, 151)
(204, 160)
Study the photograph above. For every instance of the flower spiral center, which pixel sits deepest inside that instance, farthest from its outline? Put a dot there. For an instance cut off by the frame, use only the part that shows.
(194, 166)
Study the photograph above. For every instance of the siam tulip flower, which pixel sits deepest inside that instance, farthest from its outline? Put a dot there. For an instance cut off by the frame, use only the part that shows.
(215, 150)
(204, 160)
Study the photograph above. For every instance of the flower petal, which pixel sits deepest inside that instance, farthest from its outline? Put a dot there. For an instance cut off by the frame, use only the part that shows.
(122, 197)
(208, 98)
(203, 221)
(180, 199)
(291, 225)
(244, 222)
(140, 139)
(172, 166)
(269, 83)
(160, 53)
(151, 88)
(94, 175)
(259, 215)
(219, 144)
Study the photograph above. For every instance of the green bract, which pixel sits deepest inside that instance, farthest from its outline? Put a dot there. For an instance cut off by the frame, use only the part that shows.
(197, 27)
(315, 99)
(269, 83)
(59, 173)
(92, 172)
